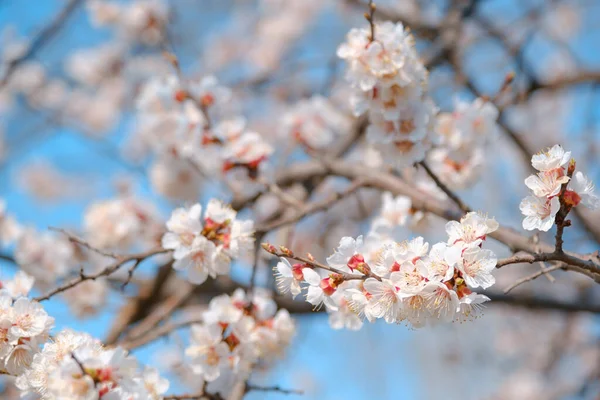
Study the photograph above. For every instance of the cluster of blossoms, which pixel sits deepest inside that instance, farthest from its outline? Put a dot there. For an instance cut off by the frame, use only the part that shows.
(237, 333)
(540, 209)
(142, 21)
(24, 325)
(390, 82)
(44, 255)
(96, 81)
(464, 136)
(314, 123)
(404, 281)
(75, 366)
(397, 215)
(51, 257)
(202, 139)
(122, 222)
(70, 365)
(204, 246)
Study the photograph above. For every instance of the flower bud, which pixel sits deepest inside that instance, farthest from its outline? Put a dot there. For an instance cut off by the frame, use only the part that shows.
(268, 247)
(286, 252)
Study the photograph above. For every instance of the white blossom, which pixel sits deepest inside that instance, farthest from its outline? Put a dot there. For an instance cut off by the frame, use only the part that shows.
(539, 212)
(550, 159)
(471, 230)
(477, 266)
(584, 188)
(204, 246)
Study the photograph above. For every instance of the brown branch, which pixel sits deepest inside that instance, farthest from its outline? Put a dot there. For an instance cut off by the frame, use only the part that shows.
(415, 23)
(575, 263)
(138, 307)
(7, 257)
(586, 264)
(560, 220)
(257, 246)
(526, 152)
(105, 272)
(197, 396)
(83, 243)
(43, 37)
(541, 303)
(277, 389)
(157, 333)
(172, 303)
(310, 208)
(461, 205)
(369, 16)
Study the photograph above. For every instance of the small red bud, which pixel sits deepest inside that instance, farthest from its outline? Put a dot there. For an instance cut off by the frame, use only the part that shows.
(287, 252)
(269, 248)
(328, 286)
(207, 100)
(354, 261)
(364, 268)
(180, 95)
(571, 198)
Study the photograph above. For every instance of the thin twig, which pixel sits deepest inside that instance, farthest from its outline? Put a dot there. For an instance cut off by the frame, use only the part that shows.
(369, 16)
(560, 220)
(283, 252)
(278, 389)
(130, 272)
(74, 239)
(157, 333)
(311, 208)
(281, 194)
(162, 312)
(7, 257)
(531, 277)
(463, 207)
(104, 272)
(44, 36)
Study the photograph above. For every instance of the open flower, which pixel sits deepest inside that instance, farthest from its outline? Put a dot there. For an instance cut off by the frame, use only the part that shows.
(470, 306)
(384, 300)
(583, 187)
(477, 266)
(547, 183)
(320, 289)
(471, 230)
(288, 277)
(197, 260)
(207, 351)
(441, 261)
(441, 301)
(205, 246)
(348, 254)
(539, 212)
(550, 159)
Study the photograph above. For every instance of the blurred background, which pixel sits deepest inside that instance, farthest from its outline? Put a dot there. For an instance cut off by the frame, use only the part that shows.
(69, 76)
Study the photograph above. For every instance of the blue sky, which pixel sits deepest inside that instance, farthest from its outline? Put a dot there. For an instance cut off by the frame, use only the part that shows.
(380, 361)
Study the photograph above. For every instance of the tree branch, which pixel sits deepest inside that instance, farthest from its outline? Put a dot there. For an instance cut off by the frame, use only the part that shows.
(531, 277)
(461, 205)
(105, 272)
(43, 37)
